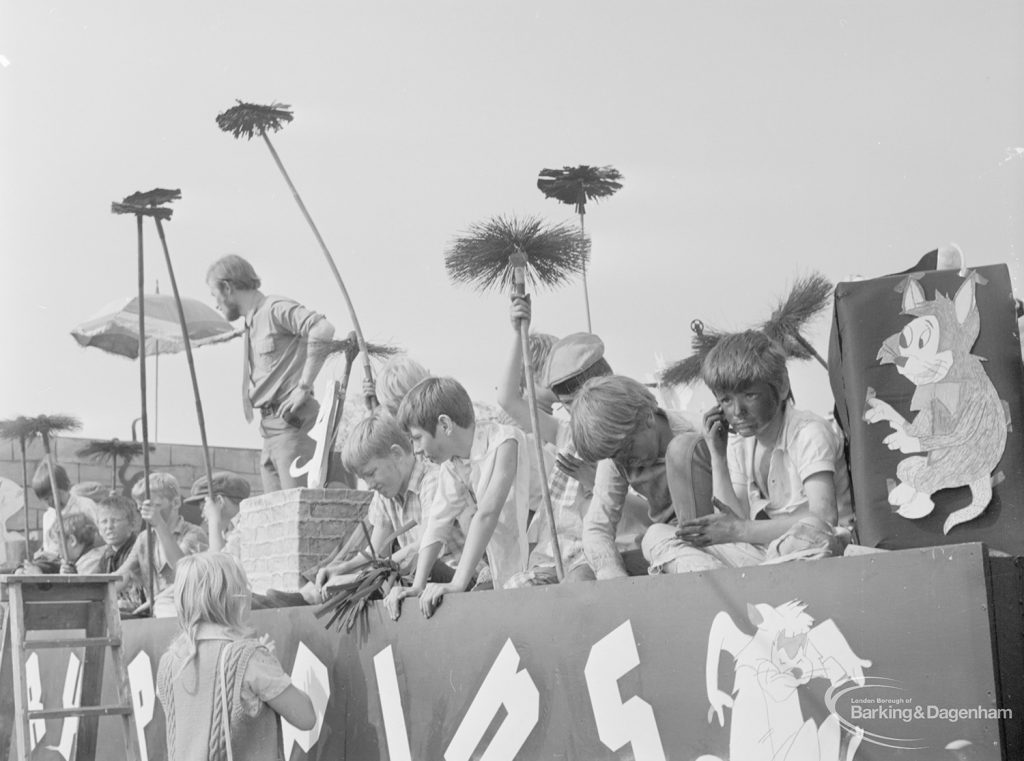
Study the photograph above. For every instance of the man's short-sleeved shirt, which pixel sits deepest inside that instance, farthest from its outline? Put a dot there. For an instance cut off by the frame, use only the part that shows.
(278, 337)
(806, 445)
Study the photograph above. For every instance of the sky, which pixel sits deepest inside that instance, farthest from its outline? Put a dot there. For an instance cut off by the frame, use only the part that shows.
(758, 142)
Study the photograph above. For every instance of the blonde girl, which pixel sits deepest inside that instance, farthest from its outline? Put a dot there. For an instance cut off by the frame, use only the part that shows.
(222, 689)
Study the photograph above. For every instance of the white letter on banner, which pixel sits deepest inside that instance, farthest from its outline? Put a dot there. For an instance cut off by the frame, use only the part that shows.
(140, 679)
(309, 674)
(618, 723)
(502, 686)
(72, 698)
(391, 706)
(34, 688)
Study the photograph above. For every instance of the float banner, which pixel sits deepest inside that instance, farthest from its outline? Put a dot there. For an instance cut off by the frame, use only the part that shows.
(926, 370)
(882, 656)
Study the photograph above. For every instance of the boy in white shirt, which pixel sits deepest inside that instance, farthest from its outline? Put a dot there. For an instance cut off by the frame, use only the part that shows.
(483, 484)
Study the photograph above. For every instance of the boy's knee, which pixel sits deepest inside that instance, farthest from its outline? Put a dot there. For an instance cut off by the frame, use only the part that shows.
(656, 540)
(810, 533)
(685, 449)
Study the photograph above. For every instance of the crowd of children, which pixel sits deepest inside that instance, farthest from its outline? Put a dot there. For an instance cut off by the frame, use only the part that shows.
(635, 489)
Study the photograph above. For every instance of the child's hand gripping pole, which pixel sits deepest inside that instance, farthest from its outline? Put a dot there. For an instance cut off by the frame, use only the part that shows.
(518, 262)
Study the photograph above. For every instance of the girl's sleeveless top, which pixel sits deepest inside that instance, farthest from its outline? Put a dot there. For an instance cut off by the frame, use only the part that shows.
(191, 698)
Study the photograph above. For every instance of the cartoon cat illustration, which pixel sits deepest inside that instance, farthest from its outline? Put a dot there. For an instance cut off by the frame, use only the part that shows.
(960, 425)
(786, 651)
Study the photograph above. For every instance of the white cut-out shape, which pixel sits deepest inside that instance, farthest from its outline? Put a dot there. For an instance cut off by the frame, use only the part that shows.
(612, 657)
(140, 679)
(503, 685)
(395, 733)
(72, 699)
(34, 689)
(310, 675)
(12, 499)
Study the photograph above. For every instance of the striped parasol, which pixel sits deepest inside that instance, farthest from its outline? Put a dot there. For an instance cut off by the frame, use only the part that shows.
(115, 329)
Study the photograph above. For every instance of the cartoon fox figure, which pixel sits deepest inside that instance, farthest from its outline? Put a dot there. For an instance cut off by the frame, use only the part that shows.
(960, 425)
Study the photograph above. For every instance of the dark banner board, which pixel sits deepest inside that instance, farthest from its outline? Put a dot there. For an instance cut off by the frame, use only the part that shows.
(926, 370)
(883, 656)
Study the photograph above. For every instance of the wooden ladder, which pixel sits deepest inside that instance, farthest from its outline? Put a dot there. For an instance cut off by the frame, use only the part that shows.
(57, 607)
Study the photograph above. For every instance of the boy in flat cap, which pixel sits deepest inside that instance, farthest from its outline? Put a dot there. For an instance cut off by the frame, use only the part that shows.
(220, 508)
(570, 363)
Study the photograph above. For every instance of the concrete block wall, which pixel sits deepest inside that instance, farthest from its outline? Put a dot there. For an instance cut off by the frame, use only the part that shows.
(183, 461)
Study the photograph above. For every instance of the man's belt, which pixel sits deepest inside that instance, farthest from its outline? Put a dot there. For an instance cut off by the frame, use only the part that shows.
(269, 410)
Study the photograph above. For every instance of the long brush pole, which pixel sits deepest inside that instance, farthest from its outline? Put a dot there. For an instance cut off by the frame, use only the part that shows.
(188, 352)
(51, 462)
(586, 291)
(24, 491)
(810, 349)
(340, 391)
(151, 562)
(519, 263)
(371, 402)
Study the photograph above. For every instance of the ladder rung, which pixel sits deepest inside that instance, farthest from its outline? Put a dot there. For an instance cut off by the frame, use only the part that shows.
(63, 713)
(69, 642)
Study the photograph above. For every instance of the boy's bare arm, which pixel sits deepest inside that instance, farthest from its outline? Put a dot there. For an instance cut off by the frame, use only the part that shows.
(716, 434)
(820, 489)
(481, 527)
(489, 506)
(215, 521)
(723, 528)
(601, 522)
(509, 397)
(172, 552)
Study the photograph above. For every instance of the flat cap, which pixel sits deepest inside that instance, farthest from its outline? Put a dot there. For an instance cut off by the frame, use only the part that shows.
(571, 356)
(228, 484)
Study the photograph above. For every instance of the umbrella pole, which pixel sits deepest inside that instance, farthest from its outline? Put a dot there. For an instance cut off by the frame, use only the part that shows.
(586, 291)
(531, 396)
(24, 491)
(371, 402)
(58, 509)
(188, 351)
(151, 563)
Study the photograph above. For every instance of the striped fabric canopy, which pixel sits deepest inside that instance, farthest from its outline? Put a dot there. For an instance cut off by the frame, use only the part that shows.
(116, 328)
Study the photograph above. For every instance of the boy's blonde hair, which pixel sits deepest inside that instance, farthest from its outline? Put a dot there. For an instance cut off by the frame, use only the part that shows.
(742, 359)
(371, 437)
(76, 524)
(540, 348)
(433, 397)
(395, 378)
(606, 412)
(160, 485)
(209, 587)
